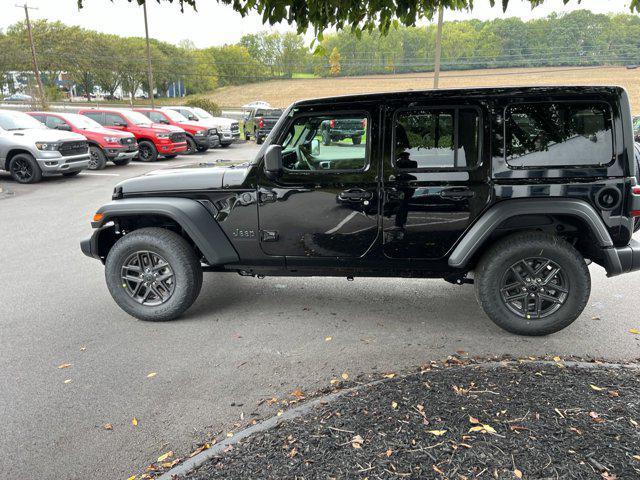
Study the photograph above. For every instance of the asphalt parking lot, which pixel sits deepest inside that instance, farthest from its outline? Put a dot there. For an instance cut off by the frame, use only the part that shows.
(244, 340)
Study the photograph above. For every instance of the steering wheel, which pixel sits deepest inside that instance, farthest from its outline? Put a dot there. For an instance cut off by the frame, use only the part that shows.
(302, 153)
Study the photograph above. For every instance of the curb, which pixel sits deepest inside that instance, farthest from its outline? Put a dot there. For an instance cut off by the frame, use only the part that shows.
(296, 412)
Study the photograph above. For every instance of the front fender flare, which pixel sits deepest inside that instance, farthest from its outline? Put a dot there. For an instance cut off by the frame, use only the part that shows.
(191, 215)
(497, 214)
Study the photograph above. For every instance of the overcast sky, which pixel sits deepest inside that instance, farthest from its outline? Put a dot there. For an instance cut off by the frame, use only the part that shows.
(216, 24)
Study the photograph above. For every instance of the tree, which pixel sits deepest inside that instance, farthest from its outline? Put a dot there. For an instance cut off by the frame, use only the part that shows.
(357, 15)
(334, 62)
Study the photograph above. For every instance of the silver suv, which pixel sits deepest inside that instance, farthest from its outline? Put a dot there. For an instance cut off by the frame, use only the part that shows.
(29, 150)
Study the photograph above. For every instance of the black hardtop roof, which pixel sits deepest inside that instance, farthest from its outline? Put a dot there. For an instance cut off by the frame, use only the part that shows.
(566, 90)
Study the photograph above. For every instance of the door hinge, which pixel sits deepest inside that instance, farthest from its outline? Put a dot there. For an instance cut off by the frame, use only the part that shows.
(269, 236)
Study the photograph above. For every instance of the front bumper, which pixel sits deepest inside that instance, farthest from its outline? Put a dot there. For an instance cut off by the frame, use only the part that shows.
(52, 165)
(619, 260)
(120, 153)
(172, 148)
(212, 141)
(228, 137)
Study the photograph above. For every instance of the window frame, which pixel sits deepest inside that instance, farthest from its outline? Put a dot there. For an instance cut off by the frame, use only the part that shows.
(60, 119)
(426, 108)
(612, 126)
(354, 114)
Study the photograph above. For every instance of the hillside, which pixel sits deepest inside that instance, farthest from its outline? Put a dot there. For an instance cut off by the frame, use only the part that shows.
(281, 93)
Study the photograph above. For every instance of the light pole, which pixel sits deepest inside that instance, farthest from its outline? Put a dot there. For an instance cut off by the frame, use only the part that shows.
(34, 59)
(436, 72)
(149, 71)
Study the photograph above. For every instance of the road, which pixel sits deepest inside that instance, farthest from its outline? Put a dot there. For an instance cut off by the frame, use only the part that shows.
(244, 339)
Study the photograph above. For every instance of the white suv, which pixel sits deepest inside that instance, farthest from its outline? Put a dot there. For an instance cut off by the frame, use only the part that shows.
(228, 129)
(29, 150)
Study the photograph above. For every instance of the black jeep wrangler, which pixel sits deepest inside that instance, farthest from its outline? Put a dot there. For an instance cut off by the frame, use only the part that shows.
(516, 190)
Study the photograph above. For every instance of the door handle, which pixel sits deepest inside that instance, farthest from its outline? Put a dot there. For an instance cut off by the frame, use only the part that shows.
(455, 193)
(355, 195)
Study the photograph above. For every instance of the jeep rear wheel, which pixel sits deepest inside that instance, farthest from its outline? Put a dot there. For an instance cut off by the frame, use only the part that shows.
(532, 283)
(153, 274)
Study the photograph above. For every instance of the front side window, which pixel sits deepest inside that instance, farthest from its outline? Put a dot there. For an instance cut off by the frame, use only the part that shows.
(54, 122)
(558, 134)
(156, 117)
(95, 116)
(326, 142)
(113, 119)
(437, 139)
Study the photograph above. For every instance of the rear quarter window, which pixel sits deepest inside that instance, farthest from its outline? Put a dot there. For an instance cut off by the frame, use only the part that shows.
(558, 134)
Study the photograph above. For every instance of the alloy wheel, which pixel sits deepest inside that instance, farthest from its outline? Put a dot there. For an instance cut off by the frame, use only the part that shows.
(93, 159)
(22, 169)
(144, 153)
(148, 278)
(534, 288)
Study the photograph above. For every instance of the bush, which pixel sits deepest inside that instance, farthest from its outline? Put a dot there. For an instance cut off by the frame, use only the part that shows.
(205, 104)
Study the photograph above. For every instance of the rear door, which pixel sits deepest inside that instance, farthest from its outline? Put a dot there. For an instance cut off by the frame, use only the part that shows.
(436, 182)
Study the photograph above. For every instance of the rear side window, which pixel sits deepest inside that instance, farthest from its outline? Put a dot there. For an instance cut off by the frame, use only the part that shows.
(559, 134)
(441, 139)
(97, 116)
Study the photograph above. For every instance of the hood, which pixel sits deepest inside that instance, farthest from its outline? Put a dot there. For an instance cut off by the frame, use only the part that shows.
(216, 122)
(166, 128)
(46, 135)
(109, 132)
(195, 125)
(201, 176)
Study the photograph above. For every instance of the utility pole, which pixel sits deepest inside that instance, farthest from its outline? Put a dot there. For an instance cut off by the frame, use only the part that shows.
(149, 71)
(36, 70)
(436, 73)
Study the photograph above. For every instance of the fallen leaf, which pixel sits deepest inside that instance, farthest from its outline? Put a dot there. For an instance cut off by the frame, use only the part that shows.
(134, 422)
(557, 359)
(82, 349)
(389, 375)
(633, 422)
(357, 441)
(482, 428)
(293, 452)
(595, 417)
(272, 400)
(636, 457)
(634, 331)
(576, 430)
(107, 426)
(345, 375)
(68, 380)
(151, 375)
(164, 456)
(132, 477)
(473, 420)
(298, 394)
(389, 452)
(613, 393)
(517, 473)
(229, 434)
(64, 365)
(280, 412)
(437, 433)
(334, 381)
(394, 405)
(328, 339)
(437, 470)
(608, 476)
(596, 388)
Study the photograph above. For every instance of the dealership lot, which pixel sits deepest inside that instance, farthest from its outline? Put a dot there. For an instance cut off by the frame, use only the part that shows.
(244, 340)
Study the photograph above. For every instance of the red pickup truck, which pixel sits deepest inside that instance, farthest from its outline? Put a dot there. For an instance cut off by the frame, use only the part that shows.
(154, 139)
(104, 144)
(199, 137)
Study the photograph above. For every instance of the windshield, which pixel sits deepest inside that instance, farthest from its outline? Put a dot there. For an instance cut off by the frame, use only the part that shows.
(175, 116)
(10, 120)
(201, 113)
(82, 122)
(136, 118)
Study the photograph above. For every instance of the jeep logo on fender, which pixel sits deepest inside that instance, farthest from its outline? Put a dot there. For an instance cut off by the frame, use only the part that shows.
(243, 233)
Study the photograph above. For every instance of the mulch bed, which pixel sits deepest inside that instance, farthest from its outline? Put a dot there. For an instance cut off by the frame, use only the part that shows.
(515, 420)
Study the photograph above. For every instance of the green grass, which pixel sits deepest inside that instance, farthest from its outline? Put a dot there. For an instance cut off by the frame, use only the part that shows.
(304, 75)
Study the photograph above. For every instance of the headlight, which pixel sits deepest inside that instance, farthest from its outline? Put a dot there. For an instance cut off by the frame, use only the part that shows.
(49, 146)
(201, 133)
(111, 139)
(163, 135)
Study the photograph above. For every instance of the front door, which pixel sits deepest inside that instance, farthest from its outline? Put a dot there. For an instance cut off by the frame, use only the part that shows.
(325, 204)
(435, 182)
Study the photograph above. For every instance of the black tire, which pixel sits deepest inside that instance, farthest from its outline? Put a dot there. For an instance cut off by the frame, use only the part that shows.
(24, 168)
(147, 151)
(247, 136)
(97, 158)
(356, 140)
(202, 149)
(636, 224)
(71, 174)
(259, 139)
(326, 137)
(192, 147)
(183, 264)
(504, 260)
(122, 162)
(225, 145)
(170, 156)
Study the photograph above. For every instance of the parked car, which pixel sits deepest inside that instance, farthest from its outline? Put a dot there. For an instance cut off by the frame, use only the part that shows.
(259, 122)
(29, 150)
(336, 129)
(18, 97)
(256, 104)
(104, 144)
(154, 139)
(514, 190)
(199, 138)
(636, 128)
(228, 129)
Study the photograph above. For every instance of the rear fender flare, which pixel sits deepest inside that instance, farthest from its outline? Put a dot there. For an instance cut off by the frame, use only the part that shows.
(476, 236)
(191, 215)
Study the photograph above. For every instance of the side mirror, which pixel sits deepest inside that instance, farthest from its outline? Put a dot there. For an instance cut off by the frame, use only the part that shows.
(315, 147)
(273, 161)
(63, 126)
(193, 118)
(165, 121)
(119, 124)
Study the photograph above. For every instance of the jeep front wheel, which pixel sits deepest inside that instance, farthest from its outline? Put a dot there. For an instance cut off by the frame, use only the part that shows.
(532, 283)
(153, 274)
